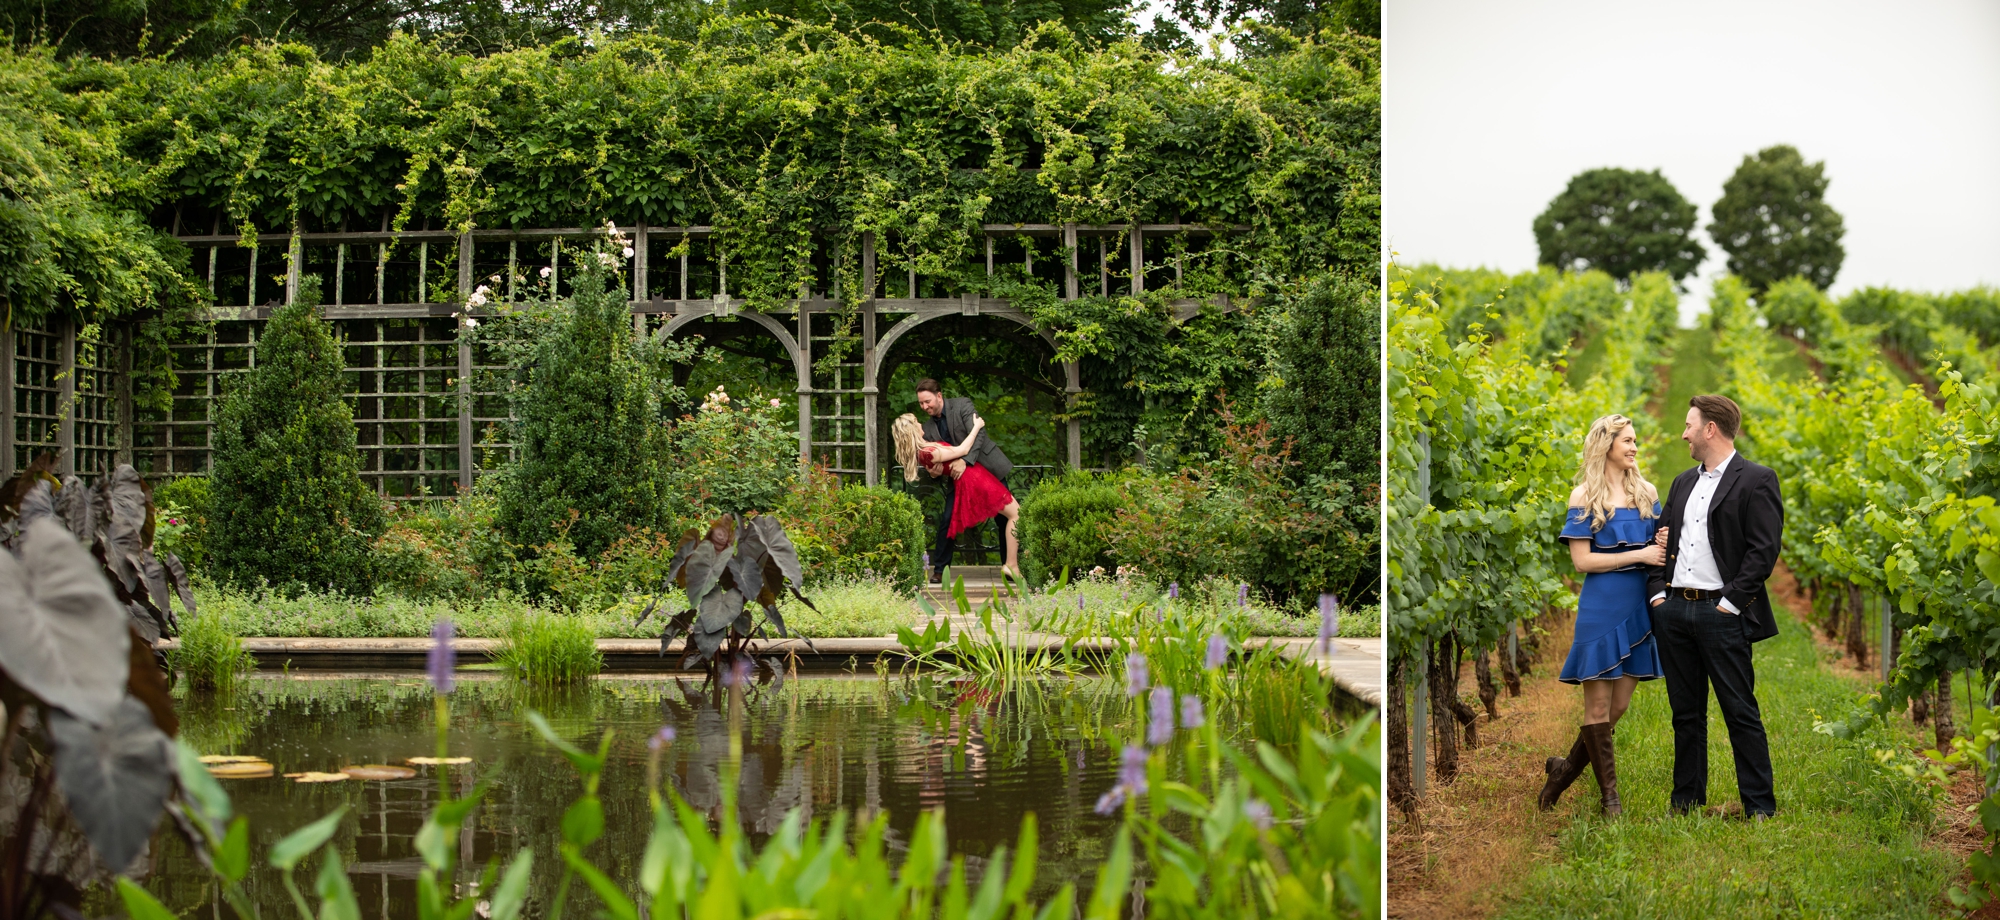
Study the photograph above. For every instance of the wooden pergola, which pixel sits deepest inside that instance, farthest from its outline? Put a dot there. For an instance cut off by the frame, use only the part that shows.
(421, 399)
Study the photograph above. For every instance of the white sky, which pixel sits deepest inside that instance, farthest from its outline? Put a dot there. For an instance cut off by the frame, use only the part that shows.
(1490, 107)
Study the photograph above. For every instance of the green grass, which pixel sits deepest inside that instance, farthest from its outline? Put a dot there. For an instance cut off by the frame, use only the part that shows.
(210, 656)
(846, 608)
(549, 648)
(1848, 841)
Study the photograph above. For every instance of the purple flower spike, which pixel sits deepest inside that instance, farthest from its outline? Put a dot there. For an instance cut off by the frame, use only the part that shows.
(737, 674)
(1218, 652)
(662, 738)
(1160, 723)
(1173, 590)
(1329, 622)
(1136, 681)
(1132, 770)
(1192, 713)
(1243, 595)
(1110, 800)
(442, 657)
(1259, 813)
(1079, 602)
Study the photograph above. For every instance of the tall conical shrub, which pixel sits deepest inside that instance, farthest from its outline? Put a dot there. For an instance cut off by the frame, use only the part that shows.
(588, 428)
(288, 506)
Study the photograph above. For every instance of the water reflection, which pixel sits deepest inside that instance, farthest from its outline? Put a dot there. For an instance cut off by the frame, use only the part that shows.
(817, 744)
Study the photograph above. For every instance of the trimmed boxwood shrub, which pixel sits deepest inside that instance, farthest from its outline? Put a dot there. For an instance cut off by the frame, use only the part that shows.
(288, 506)
(1062, 525)
(850, 531)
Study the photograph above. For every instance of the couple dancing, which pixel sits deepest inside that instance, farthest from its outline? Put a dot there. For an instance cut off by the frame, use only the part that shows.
(1675, 593)
(954, 448)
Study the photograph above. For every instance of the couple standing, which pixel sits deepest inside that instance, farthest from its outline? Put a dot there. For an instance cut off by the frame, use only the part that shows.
(954, 448)
(1677, 593)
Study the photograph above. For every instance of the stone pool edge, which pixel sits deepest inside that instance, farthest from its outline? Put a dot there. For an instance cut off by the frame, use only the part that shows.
(1355, 664)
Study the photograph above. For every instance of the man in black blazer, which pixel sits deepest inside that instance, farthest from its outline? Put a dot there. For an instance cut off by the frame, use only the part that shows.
(950, 419)
(1722, 525)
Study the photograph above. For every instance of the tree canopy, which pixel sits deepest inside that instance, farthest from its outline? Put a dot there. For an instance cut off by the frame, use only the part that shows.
(1621, 222)
(1774, 221)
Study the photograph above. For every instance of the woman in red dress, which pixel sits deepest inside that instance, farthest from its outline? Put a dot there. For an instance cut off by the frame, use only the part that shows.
(977, 494)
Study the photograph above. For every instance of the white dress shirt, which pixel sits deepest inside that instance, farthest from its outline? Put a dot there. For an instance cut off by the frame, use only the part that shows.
(1695, 567)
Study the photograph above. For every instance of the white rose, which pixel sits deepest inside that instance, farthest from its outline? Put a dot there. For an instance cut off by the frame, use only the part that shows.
(478, 297)
(774, 404)
(546, 270)
(628, 252)
(471, 323)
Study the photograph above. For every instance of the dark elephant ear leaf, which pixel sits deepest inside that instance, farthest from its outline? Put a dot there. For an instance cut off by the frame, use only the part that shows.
(718, 610)
(772, 583)
(73, 507)
(37, 500)
(147, 683)
(62, 631)
(771, 613)
(155, 577)
(115, 778)
(705, 567)
(676, 568)
(748, 566)
(780, 548)
(178, 575)
(645, 612)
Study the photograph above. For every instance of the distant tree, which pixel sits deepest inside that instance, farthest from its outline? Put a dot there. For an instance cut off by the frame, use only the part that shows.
(1620, 222)
(1774, 221)
(287, 505)
(1300, 17)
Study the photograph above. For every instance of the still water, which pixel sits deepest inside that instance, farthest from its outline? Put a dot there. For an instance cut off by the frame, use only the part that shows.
(865, 744)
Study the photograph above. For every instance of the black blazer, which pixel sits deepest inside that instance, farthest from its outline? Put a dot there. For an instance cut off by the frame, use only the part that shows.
(1746, 523)
(984, 452)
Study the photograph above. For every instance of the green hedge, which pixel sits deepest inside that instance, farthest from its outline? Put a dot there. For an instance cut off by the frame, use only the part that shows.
(849, 531)
(1062, 525)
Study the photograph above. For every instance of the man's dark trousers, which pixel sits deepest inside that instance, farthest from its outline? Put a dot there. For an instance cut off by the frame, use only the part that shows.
(1702, 644)
(941, 547)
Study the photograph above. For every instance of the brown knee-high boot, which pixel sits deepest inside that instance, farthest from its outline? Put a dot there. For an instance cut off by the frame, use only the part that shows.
(1604, 761)
(1562, 771)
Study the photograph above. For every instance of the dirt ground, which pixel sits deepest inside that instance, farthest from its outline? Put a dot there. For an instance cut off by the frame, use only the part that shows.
(1476, 838)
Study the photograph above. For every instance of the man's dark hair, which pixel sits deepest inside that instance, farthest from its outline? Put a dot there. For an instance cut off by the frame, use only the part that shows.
(1718, 409)
(929, 384)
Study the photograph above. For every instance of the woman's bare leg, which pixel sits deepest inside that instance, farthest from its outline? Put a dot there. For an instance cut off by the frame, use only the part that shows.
(1013, 515)
(1597, 701)
(1621, 696)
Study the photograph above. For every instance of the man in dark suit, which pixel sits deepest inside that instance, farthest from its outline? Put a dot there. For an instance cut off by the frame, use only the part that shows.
(950, 419)
(1722, 525)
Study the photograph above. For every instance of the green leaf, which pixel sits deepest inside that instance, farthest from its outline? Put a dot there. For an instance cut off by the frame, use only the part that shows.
(616, 903)
(585, 763)
(139, 905)
(232, 858)
(583, 822)
(512, 892)
(1107, 900)
(200, 788)
(286, 853)
(336, 894)
(1989, 566)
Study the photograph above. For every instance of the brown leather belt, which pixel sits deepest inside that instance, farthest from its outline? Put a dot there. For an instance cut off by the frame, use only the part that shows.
(1697, 594)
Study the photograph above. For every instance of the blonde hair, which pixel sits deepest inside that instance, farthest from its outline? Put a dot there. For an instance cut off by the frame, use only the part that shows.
(1596, 485)
(908, 435)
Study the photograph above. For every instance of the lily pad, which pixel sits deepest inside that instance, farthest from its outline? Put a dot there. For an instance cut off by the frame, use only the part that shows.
(378, 771)
(115, 775)
(230, 758)
(62, 631)
(436, 761)
(241, 770)
(314, 776)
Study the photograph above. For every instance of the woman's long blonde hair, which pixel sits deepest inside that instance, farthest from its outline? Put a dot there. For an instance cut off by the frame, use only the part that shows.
(908, 435)
(1597, 486)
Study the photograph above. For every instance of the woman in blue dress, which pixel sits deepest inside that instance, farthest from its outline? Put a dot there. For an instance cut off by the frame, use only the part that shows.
(1613, 514)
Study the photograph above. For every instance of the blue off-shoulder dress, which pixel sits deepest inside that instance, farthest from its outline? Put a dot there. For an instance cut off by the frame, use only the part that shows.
(1614, 627)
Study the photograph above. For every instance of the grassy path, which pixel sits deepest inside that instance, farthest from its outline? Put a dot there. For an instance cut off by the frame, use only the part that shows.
(1848, 842)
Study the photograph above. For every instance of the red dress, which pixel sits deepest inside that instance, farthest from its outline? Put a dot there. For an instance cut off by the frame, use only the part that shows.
(978, 495)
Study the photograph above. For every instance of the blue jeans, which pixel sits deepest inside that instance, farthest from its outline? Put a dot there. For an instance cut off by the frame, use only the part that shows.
(1701, 644)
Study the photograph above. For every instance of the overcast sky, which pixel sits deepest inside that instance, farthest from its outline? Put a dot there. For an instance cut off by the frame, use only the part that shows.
(1490, 108)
